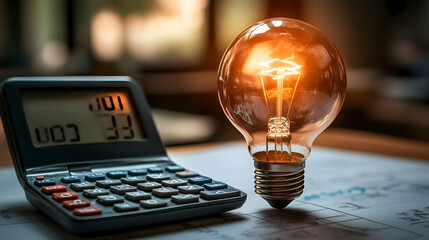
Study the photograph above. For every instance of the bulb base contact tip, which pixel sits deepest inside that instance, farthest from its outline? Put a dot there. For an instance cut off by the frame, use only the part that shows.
(279, 204)
(279, 183)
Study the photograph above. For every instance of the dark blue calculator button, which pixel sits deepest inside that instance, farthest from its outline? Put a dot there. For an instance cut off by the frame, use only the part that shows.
(116, 174)
(154, 170)
(200, 180)
(137, 172)
(174, 169)
(215, 185)
(47, 182)
(95, 177)
(70, 179)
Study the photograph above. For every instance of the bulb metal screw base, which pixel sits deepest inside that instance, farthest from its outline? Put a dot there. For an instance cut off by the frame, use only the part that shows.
(279, 183)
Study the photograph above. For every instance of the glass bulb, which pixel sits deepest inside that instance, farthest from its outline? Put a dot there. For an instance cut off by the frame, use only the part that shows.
(281, 83)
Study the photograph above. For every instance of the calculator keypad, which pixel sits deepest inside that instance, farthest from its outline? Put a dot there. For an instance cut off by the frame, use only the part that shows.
(133, 190)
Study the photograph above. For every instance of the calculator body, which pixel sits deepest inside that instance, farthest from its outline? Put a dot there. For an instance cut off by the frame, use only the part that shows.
(112, 164)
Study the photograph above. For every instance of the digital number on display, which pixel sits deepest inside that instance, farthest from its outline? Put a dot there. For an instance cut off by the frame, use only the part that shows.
(109, 111)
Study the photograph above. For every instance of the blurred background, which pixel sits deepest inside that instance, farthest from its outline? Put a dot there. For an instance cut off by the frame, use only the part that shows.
(173, 48)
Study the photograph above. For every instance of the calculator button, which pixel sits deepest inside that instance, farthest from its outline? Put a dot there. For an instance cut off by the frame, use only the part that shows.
(70, 179)
(93, 193)
(107, 183)
(87, 211)
(199, 180)
(82, 186)
(137, 172)
(157, 177)
(122, 189)
(109, 199)
(215, 185)
(174, 169)
(116, 174)
(217, 194)
(40, 178)
(186, 174)
(54, 189)
(148, 186)
(95, 177)
(190, 189)
(133, 180)
(174, 183)
(77, 203)
(165, 192)
(152, 203)
(137, 196)
(155, 170)
(62, 196)
(125, 207)
(46, 182)
(185, 198)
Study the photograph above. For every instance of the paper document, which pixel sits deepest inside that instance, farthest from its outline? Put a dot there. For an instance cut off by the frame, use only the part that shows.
(347, 195)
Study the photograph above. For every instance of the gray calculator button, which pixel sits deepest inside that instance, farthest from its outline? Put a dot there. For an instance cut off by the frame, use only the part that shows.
(148, 186)
(221, 193)
(133, 180)
(82, 186)
(186, 173)
(122, 189)
(165, 192)
(174, 183)
(109, 199)
(152, 203)
(137, 196)
(190, 189)
(92, 193)
(125, 207)
(185, 198)
(107, 183)
(157, 177)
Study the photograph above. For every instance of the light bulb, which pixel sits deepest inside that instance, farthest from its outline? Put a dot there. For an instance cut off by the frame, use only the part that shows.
(281, 83)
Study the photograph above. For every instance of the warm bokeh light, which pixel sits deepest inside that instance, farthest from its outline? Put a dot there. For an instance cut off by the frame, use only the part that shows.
(173, 28)
(107, 35)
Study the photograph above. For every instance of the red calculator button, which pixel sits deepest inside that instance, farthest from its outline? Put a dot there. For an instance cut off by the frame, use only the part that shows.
(54, 189)
(61, 196)
(87, 211)
(40, 178)
(76, 203)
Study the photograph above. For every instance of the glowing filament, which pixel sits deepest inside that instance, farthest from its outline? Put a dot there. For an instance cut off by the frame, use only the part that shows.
(278, 69)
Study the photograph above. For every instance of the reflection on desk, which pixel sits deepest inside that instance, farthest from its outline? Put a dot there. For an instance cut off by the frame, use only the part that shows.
(348, 195)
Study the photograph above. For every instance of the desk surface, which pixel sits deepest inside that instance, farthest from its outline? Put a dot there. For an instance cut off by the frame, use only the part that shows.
(348, 195)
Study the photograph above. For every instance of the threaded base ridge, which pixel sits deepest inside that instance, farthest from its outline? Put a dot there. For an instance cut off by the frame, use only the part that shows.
(279, 185)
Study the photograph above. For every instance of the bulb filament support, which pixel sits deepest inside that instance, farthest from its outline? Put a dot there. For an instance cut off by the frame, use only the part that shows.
(278, 138)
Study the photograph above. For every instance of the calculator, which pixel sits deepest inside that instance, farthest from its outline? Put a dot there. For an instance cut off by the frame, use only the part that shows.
(87, 153)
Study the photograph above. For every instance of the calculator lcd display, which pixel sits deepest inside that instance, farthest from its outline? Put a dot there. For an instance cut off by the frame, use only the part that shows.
(65, 117)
